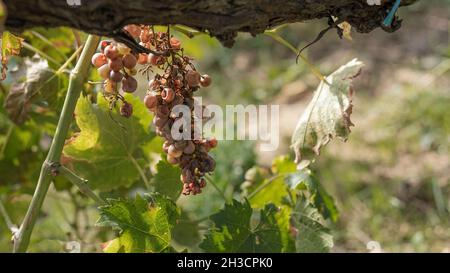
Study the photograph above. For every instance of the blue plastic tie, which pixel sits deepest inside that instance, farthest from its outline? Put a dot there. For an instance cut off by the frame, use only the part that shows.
(390, 17)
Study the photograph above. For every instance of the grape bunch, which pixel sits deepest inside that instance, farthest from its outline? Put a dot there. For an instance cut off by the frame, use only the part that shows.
(174, 84)
(116, 66)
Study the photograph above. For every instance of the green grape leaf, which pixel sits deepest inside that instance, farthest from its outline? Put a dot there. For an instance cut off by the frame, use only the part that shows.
(233, 233)
(296, 179)
(283, 165)
(153, 149)
(328, 114)
(34, 80)
(273, 189)
(287, 178)
(56, 43)
(322, 200)
(305, 180)
(167, 179)
(311, 235)
(107, 150)
(144, 224)
(187, 231)
(17, 140)
(11, 46)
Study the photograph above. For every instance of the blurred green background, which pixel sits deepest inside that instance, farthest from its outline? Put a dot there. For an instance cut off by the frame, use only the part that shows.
(390, 180)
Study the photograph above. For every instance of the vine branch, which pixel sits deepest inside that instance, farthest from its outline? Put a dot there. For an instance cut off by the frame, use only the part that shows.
(9, 223)
(81, 183)
(140, 171)
(77, 78)
(278, 38)
(222, 194)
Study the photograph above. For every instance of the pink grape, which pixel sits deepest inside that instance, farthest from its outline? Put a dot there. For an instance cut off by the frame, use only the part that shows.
(111, 52)
(129, 61)
(115, 64)
(98, 60)
(103, 71)
(129, 84)
(115, 76)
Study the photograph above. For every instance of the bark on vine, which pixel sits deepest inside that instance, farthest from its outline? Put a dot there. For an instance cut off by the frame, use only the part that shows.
(222, 18)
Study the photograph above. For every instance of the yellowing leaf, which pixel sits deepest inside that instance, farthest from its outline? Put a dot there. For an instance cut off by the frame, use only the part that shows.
(328, 114)
(11, 46)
